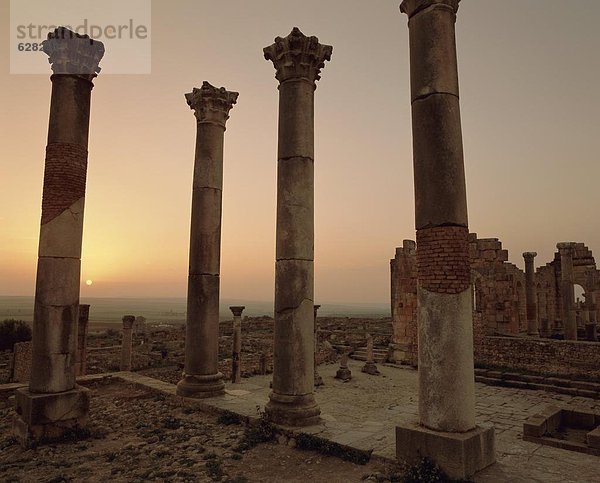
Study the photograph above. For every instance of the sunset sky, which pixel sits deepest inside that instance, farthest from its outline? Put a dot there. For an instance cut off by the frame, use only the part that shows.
(529, 73)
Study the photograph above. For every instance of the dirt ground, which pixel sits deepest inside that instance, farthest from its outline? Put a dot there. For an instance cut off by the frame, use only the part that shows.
(136, 435)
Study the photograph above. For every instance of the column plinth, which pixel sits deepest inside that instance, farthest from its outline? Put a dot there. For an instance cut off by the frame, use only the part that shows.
(530, 295)
(444, 305)
(298, 60)
(74, 60)
(202, 378)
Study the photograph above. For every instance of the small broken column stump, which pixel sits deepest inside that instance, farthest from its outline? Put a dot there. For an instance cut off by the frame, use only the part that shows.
(370, 367)
(202, 377)
(236, 364)
(53, 403)
(318, 378)
(343, 373)
(128, 321)
(298, 61)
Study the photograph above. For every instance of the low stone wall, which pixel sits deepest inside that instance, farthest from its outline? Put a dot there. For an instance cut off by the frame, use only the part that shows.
(578, 359)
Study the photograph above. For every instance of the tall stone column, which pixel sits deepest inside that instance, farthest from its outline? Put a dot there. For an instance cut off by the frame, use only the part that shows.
(567, 289)
(202, 378)
(530, 295)
(444, 308)
(236, 364)
(53, 403)
(126, 342)
(318, 378)
(542, 301)
(82, 330)
(298, 61)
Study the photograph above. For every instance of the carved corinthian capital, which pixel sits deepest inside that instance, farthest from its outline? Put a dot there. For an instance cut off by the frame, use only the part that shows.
(412, 7)
(71, 53)
(298, 56)
(211, 104)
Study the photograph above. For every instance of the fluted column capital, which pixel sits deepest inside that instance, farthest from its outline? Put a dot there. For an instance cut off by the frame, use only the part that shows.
(128, 321)
(237, 310)
(298, 56)
(72, 53)
(412, 7)
(529, 256)
(211, 104)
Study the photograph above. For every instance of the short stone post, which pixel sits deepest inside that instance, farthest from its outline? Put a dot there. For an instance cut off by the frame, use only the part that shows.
(202, 378)
(236, 364)
(82, 330)
(262, 364)
(444, 308)
(370, 367)
(567, 289)
(53, 403)
(530, 295)
(343, 372)
(126, 343)
(298, 61)
(318, 378)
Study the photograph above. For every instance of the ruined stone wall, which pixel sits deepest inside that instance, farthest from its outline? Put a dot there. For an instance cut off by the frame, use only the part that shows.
(578, 359)
(21, 366)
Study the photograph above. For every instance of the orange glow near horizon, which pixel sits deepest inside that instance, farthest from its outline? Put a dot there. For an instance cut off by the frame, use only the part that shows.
(530, 122)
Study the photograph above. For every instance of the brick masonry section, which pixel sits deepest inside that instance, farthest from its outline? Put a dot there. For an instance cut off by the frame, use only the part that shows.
(443, 259)
(64, 178)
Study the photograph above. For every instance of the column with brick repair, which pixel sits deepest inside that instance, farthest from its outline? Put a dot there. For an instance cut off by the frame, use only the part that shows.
(236, 364)
(530, 295)
(298, 61)
(82, 330)
(444, 309)
(126, 342)
(202, 378)
(53, 403)
(567, 289)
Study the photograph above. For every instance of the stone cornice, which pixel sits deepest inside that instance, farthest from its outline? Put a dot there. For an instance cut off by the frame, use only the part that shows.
(211, 104)
(298, 56)
(71, 53)
(412, 7)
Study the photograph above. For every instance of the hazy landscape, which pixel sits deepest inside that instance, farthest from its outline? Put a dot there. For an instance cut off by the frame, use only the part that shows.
(173, 309)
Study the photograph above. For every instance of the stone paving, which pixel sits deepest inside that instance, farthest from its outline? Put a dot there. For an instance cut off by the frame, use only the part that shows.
(363, 412)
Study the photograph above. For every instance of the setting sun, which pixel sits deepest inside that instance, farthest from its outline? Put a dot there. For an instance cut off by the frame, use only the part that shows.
(88, 282)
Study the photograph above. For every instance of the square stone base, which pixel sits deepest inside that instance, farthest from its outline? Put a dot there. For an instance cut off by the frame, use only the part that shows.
(459, 455)
(49, 415)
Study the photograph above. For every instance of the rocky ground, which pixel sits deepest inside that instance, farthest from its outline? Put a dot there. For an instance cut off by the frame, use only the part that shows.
(136, 435)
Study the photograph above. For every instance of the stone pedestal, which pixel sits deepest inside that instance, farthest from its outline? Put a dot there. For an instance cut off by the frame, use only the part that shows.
(444, 299)
(318, 378)
(236, 364)
(370, 367)
(201, 373)
(530, 295)
(298, 61)
(82, 330)
(74, 61)
(126, 343)
(343, 372)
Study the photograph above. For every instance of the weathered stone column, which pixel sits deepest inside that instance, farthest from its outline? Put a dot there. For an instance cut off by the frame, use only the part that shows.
(298, 60)
(530, 295)
(236, 364)
(343, 372)
(202, 377)
(444, 308)
(53, 403)
(542, 301)
(126, 342)
(82, 330)
(567, 289)
(318, 378)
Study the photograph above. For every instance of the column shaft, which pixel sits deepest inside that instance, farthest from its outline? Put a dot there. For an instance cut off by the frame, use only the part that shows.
(567, 290)
(530, 295)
